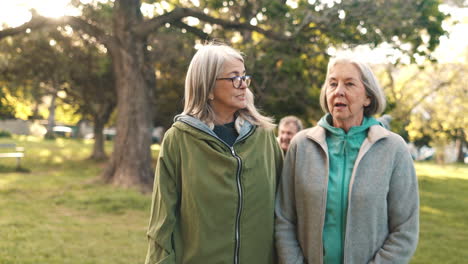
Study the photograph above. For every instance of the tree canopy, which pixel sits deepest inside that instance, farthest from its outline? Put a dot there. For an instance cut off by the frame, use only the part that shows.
(286, 44)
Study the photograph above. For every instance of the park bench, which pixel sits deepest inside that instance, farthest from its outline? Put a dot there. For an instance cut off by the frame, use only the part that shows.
(12, 151)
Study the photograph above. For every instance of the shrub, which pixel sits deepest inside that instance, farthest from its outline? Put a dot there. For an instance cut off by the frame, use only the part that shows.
(5, 134)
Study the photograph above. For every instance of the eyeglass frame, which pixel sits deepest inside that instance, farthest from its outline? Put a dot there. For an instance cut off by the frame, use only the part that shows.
(242, 78)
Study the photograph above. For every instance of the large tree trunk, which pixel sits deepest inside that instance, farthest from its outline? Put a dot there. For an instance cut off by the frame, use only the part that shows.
(98, 148)
(100, 117)
(130, 163)
(460, 143)
(51, 119)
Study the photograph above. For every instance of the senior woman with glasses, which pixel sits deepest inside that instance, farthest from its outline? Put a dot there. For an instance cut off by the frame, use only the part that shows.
(215, 182)
(348, 191)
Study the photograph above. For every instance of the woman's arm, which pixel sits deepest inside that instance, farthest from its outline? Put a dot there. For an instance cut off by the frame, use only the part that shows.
(287, 245)
(164, 203)
(403, 213)
(279, 158)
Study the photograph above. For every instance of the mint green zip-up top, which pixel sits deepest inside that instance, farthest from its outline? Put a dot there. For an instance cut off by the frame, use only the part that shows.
(343, 149)
(213, 203)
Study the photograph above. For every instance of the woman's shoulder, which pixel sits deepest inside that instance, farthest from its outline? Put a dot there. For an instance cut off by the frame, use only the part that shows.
(173, 133)
(394, 138)
(389, 139)
(266, 133)
(263, 130)
(311, 132)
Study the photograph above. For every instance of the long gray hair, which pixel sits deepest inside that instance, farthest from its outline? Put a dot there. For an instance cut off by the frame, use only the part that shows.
(206, 65)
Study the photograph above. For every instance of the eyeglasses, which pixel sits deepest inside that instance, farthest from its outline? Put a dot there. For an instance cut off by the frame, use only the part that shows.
(237, 80)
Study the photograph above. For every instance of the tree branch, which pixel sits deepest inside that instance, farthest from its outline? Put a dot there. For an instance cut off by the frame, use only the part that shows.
(34, 23)
(438, 87)
(177, 14)
(391, 85)
(100, 35)
(38, 22)
(192, 30)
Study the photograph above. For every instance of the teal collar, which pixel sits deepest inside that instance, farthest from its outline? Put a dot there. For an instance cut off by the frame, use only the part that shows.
(327, 121)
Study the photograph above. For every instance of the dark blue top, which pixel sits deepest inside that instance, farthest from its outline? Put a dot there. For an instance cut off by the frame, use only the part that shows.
(227, 133)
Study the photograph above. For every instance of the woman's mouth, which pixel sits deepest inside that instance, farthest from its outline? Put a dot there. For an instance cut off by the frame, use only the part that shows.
(340, 105)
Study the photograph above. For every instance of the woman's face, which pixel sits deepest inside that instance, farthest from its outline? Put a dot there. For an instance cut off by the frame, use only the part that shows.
(346, 96)
(227, 99)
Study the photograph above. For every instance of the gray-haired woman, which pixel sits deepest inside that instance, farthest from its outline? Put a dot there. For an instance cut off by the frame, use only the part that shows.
(348, 191)
(215, 183)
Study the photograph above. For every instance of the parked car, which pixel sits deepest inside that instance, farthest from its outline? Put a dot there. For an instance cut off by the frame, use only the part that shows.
(63, 131)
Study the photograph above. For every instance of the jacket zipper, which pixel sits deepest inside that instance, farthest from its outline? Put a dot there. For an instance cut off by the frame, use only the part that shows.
(239, 205)
(345, 154)
(239, 189)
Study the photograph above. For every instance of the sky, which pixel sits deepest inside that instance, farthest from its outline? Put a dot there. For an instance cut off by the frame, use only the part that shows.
(16, 12)
(458, 42)
(451, 49)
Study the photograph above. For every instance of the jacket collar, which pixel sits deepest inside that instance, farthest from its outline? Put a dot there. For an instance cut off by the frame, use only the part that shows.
(376, 132)
(243, 126)
(194, 122)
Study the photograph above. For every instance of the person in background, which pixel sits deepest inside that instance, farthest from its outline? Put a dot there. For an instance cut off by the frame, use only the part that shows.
(348, 191)
(287, 128)
(216, 176)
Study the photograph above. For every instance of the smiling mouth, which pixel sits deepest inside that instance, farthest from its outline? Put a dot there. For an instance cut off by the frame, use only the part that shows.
(340, 105)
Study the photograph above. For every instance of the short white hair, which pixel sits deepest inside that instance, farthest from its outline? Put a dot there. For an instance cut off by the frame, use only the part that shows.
(371, 85)
(291, 120)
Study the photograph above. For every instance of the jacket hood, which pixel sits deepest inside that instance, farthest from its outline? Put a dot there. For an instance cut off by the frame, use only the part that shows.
(200, 129)
(367, 122)
(318, 134)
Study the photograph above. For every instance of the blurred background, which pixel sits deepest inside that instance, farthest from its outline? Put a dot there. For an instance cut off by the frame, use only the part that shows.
(88, 88)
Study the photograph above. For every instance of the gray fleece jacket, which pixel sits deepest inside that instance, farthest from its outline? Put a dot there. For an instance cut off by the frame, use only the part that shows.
(383, 203)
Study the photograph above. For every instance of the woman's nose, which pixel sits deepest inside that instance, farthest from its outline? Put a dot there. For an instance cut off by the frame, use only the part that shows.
(340, 89)
(243, 84)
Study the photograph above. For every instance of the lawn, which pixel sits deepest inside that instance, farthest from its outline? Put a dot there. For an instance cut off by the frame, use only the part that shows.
(56, 213)
(444, 214)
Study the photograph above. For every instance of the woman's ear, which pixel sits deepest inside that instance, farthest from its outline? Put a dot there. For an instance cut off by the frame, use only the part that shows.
(367, 102)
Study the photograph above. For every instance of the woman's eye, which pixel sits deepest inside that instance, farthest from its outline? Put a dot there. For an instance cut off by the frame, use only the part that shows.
(333, 84)
(350, 84)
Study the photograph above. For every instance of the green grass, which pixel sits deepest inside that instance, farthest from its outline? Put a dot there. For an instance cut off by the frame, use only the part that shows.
(57, 213)
(444, 214)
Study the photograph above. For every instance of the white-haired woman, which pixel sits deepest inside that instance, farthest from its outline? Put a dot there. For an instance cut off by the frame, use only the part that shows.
(348, 191)
(216, 177)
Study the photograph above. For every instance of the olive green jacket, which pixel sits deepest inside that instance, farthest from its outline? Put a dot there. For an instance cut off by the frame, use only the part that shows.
(213, 203)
